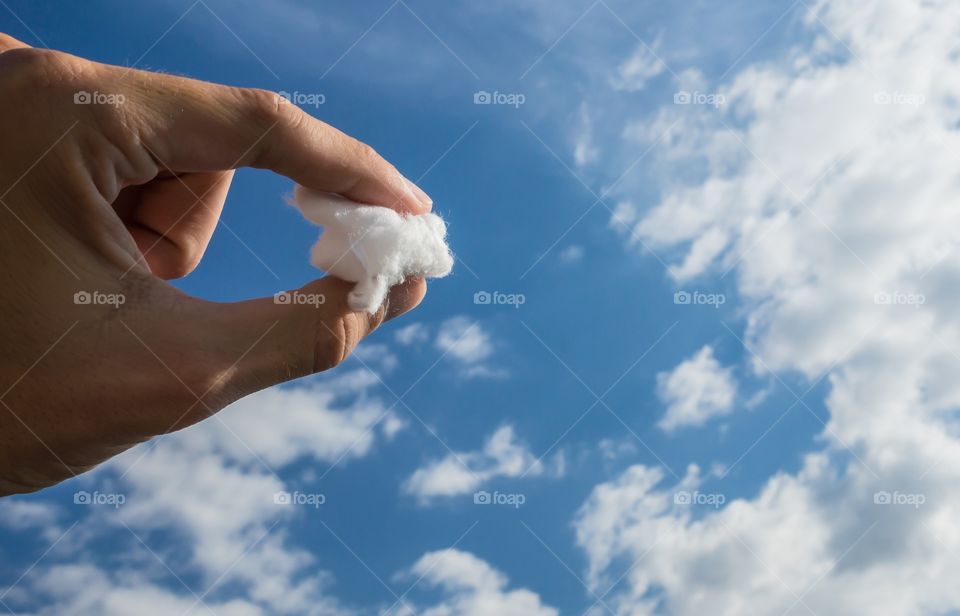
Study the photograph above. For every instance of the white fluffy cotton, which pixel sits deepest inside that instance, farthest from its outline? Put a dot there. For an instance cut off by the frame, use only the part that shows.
(373, 246)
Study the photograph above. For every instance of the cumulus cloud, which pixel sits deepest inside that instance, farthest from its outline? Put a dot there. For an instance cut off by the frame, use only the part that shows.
(279, 425)
(461, 340)
(86, 590)
(472, 587)
(212, 490)
(825, 185)
(813, 542)
(216, 482)
(21, 514)
(470, 345)
(33, 516)
(698, 389)
(502, 455)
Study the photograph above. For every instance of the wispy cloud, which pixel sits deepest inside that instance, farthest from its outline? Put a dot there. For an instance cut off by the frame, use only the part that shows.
(459, 473)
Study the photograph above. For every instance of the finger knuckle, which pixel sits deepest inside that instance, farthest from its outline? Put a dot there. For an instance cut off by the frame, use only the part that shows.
(266, 108)
(42, 69)
(366, 152)
(342, 338)
(333, 348)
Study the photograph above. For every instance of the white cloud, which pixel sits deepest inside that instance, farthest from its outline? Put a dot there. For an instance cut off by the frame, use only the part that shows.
(584, 149)
(571, 254)
(215, 482)
(634, 73)
(470, 345)
(281, 424)
(371, 356)
(812, 542)
(461, 473)
(415, 333)
(821, 197)
(611, 449)
(85, 590)
(472, 587)
(464, 340)
(21, 514)
(698, 389)
(210, 492)
(624, 215)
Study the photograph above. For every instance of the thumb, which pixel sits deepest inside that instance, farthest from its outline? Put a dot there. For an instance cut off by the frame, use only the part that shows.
(275, 339)
(8, 43)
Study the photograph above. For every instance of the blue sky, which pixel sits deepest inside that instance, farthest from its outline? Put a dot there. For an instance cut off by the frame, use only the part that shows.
(597, 199)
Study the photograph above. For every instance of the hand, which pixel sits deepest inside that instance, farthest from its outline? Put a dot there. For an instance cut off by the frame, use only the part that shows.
(110, 199)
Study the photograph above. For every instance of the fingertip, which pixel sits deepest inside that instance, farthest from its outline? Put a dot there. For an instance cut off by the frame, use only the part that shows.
(422, 201)
(396, 193)
(404, 201)
(405, 296)
(307, 330)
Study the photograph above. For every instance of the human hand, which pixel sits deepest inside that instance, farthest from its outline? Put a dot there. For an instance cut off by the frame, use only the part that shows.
(112, 200)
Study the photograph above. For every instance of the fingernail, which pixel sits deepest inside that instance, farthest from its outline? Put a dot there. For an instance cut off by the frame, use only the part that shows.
(421, 196)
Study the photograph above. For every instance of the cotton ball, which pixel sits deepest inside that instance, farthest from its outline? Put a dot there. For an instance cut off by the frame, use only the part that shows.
(373, 246)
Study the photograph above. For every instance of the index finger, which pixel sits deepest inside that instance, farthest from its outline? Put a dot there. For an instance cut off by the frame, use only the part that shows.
(192, 125)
